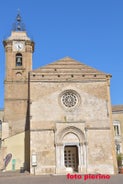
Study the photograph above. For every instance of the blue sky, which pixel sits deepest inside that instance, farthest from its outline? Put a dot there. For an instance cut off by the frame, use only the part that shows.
(90, 31)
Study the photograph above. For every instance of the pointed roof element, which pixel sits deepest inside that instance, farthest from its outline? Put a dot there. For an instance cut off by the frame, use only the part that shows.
(67, 69)
(18, 24)
(67, 64)
(18, 31)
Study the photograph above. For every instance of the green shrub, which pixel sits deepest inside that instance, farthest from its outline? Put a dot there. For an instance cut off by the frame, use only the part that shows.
(119, 159)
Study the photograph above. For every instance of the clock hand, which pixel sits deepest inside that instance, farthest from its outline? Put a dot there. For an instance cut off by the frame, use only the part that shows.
(19, 46)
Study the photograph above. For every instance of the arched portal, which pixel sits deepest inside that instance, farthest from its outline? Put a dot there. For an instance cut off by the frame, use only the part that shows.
(70, 150)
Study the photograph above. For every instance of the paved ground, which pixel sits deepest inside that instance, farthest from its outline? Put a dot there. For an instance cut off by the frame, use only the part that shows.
(8, 178)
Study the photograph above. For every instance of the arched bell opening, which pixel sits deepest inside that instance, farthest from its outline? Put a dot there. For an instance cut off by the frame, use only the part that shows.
(18, 59)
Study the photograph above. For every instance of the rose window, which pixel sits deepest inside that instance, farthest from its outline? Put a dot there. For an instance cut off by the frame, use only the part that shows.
(69, 99)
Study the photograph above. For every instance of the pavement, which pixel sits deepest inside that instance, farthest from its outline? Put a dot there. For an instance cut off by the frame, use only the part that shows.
(26, 178)
(13, 173)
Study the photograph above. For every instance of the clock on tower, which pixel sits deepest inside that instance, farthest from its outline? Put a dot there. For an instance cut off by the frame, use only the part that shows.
(18, 46)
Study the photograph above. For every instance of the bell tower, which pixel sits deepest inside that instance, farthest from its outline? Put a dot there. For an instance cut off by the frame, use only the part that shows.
(18, 51)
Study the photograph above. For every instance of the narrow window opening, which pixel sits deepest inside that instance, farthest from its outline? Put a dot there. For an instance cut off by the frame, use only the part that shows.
(116, 130)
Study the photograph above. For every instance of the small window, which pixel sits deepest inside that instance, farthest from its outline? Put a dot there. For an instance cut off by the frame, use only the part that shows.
(118, 148)
(18, 59)
(116, 128)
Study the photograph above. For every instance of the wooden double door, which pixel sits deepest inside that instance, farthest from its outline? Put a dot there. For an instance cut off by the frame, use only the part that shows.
(71, 157)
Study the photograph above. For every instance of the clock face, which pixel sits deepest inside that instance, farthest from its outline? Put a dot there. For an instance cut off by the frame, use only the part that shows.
(18, 45)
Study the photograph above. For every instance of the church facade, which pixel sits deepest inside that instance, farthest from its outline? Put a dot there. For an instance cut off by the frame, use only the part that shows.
(57, 118)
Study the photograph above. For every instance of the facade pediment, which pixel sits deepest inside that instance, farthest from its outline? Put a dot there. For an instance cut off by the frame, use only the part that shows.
(67, 69)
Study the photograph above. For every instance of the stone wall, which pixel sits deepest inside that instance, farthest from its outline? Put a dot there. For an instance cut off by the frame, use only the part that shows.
(91, 116)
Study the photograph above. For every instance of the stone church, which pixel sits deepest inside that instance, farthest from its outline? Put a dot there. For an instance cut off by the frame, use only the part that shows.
(57, 118)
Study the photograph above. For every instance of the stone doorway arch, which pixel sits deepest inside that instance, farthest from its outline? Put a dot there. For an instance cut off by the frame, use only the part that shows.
(70, 138)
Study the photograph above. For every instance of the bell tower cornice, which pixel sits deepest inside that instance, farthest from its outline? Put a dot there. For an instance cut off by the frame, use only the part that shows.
(8, 44)
(22, 35)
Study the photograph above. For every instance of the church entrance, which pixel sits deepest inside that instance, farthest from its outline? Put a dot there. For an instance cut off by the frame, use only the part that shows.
(71, 157)
(70, 151)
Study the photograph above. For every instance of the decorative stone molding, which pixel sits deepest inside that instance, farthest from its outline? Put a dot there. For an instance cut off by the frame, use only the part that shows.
(71, 129)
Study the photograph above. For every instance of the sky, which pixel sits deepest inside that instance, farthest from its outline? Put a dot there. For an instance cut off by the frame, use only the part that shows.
(90, 31)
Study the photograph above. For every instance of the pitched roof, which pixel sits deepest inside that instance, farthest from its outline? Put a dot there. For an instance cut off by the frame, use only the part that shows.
(117, 108)
(70, 69)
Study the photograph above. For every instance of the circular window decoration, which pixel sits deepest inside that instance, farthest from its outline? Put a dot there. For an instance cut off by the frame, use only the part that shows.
(69, 99)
